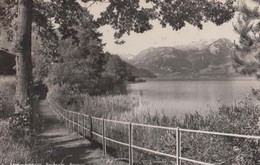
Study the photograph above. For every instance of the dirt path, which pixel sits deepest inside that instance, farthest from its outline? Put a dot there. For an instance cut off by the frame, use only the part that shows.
(67, 147)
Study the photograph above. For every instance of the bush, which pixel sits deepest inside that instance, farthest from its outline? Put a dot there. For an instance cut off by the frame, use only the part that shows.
(7, 92)
(19, 147)
(18, 144)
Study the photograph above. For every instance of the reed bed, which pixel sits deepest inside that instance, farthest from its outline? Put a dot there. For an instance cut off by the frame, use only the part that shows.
(241, 118)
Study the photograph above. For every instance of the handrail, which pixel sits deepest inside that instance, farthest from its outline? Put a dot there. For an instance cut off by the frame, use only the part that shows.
(116, 121)
(154, 126)
(220, 133)
(66, 116)
(155, 152)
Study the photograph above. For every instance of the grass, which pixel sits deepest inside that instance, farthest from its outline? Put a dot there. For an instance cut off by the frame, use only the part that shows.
(16, 145)
(12, 151)
(241, 118)
(20, 148)
(7, 91)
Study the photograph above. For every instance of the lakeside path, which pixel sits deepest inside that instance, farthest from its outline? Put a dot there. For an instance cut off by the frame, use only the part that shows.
(67, 147)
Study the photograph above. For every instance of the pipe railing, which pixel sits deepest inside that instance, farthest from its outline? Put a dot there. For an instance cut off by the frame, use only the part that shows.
(72, 122)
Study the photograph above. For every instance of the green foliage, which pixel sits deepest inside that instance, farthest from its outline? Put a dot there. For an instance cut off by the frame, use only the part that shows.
(7, 91)
(115, 68)
(77, 67)
(123, 16)
(248, 28)
(18, 147)
(93, 74)
(78, 70)
(127, 16)
(115, 72)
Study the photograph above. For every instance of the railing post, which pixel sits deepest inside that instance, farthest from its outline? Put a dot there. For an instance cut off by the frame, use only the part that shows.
(78, 123)
(83, 127)
(60, 113)
(70, 126)
(68, 120)
(73, 122)
(130, 144)
(90, 128)
(178, 146)
(65, 119)
(104, 135)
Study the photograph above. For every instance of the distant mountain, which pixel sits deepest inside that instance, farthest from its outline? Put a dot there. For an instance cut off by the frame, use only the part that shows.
(196, 45)
(198, 59)
(126, 57)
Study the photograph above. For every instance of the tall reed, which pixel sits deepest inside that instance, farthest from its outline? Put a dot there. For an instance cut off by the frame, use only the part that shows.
(241, 118)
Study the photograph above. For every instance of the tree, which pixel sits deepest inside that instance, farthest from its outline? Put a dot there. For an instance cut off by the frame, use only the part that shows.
(40, 13)
(79, 67)
(114, 75)
(123, 15)
(23, 94)
(248, 50)
(115, 68)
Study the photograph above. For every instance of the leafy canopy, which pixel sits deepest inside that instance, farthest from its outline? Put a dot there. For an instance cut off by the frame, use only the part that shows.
(248, 49)
(122, 15)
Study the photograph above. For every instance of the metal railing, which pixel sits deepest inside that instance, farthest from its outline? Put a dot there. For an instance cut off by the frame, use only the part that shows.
(73, 121)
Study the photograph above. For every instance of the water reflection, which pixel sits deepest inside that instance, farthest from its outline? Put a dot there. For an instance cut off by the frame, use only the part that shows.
(179, 97)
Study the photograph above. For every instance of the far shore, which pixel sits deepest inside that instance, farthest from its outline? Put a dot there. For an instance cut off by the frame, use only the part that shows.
(241, 78)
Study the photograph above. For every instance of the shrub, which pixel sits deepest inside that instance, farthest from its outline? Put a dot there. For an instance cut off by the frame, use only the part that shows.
(7, 91)
(18, 147)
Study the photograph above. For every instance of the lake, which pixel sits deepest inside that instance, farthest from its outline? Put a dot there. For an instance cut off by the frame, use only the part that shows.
(180, 97)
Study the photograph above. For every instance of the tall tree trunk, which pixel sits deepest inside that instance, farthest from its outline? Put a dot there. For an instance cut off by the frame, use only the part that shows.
(23, 97)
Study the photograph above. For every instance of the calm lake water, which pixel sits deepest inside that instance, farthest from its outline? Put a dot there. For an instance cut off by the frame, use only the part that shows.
(180, 97)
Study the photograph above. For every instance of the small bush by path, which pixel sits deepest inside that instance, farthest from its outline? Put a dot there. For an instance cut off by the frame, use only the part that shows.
(7, 91)
(18, 147)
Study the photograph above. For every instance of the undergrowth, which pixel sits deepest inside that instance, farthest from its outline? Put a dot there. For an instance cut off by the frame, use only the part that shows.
(18, 144)
(18, 147)
(7, 91)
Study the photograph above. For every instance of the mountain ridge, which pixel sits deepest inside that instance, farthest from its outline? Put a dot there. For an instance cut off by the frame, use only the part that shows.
(211, 59)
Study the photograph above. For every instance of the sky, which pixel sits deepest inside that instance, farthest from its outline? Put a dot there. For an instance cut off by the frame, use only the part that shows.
(159, 36)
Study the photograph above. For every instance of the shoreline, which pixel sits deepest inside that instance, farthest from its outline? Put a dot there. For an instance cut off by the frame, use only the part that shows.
(201, 79)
